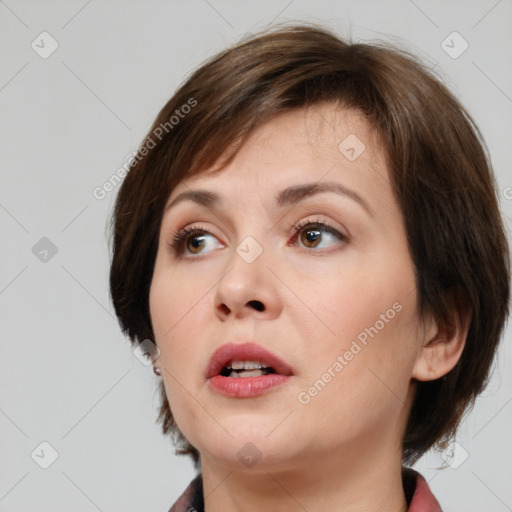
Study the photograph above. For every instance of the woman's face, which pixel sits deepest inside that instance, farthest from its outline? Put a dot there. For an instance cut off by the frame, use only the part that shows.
(304, 253)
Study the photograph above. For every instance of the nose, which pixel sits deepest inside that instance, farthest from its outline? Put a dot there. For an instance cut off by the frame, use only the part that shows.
(247, 290)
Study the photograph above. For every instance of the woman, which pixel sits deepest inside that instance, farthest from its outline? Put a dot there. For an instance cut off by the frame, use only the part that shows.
(310, 236)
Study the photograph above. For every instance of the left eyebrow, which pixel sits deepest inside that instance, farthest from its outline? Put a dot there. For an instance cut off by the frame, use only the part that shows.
(290, 196)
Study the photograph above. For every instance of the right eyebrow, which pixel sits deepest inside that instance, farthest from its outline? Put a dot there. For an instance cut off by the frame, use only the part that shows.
(203, 197)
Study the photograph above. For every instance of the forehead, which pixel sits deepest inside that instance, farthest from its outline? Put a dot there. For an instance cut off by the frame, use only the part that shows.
(319, 142)
(323, 127)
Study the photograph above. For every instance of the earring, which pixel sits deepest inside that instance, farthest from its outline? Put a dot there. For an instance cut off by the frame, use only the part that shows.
(157, 371)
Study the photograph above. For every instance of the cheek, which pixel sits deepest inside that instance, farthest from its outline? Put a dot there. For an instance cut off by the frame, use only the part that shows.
(373, 349)
(177, 314)
(348, 305)
(173, 297)
(371, 384)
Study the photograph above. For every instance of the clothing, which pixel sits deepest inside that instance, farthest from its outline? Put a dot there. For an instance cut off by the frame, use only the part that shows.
(417, 494)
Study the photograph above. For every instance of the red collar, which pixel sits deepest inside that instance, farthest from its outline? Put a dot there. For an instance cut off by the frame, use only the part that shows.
(418, 493)
(422, 500)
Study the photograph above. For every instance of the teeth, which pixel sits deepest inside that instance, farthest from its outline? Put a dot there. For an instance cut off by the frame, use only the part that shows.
(245, 369)
(247, 373)
(246, 365)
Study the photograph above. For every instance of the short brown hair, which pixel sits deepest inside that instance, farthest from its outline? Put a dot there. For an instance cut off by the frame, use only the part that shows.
(439, 169)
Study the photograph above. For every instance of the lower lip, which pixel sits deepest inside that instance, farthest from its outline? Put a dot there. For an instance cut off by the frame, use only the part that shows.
(247, 387)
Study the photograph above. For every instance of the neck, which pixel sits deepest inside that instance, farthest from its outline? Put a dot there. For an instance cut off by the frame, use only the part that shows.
(368, 482)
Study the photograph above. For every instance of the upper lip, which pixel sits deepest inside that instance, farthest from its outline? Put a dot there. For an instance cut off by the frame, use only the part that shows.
(247, 351)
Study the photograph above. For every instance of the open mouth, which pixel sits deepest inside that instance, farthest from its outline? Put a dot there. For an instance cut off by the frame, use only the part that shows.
(244, 369)
(244, 360)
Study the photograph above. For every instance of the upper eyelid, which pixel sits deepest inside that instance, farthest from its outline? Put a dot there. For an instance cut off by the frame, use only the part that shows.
(321, 223)
(301, 224)
(322, 226)
(193, 208)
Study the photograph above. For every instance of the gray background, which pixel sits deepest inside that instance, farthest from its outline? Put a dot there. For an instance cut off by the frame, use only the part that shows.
(68, 123)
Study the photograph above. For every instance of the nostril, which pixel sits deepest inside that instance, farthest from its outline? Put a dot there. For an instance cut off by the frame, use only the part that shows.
(257, 305)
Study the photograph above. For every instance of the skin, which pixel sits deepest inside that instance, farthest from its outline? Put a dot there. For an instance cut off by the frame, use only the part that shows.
(341, 450)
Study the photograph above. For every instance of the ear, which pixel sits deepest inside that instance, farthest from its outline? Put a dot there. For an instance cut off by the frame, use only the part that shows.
(443, 343)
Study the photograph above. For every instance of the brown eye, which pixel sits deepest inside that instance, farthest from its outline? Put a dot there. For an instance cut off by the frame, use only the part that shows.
(318, 235)
(311, 237)
(195, 243)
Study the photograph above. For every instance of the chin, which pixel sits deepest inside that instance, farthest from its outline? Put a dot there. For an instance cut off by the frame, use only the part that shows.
(250, 456)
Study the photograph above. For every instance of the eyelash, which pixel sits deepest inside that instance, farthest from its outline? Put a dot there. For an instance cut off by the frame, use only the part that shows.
(180, 237)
